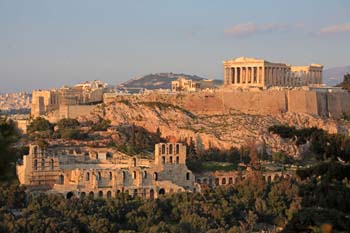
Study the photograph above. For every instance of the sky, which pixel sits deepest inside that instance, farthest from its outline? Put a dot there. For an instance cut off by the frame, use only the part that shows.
(51, 43)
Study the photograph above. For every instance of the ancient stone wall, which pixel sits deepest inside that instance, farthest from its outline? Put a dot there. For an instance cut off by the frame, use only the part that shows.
(269, 102)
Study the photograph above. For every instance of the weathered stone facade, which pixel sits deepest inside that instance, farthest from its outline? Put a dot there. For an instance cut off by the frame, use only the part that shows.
(250, 72)
(104, 172)
(46, 101)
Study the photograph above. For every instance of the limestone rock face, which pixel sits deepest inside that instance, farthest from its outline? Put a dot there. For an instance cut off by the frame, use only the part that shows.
(231, 129)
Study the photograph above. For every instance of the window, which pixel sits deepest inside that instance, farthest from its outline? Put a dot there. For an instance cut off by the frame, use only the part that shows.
(134, 174)
(163, 160)
(170, 159)
(110, 175)
(43, 164)
(99, 177)
(155, 176)
(145, 174)
(134, 162)
(52, 163)
(177, 148)
(87, 176)
(177, 160)
(170, 149)
(61, 179)
(187, 176)
(163, 149)
(35, 166)
(223, 181)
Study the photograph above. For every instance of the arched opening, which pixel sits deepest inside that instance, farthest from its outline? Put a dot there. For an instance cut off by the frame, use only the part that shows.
(43, 164)
(210, 181)
(230, 180)
(99, 177)
(35, 165)
(109, 155)
(269, 179)
(134, 162)
(109, 195)
(177, 148)
(187, 176)
(170, 159)
(61, 179)
(155, 176)
(52, 164)
(134, 175)
(35, 151)
(124, 175)
(135, 192)
(163, 149)
(100, 194)
(161, 191)
(223, 181)
(276, 178)
(170, 149)
(177, 160)
(96, 155)
(83, 195)
(91, 194)
(110, 175)
(171, 190)
(70, 195)
(151, 194)
(216, 181)
(87, 176)
(145, 174)
(163, 160)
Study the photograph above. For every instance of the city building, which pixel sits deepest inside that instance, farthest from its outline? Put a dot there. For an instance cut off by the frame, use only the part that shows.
(102, 172)
(251, 72)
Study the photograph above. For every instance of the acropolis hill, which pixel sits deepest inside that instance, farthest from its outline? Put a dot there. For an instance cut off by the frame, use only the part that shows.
(256, 95)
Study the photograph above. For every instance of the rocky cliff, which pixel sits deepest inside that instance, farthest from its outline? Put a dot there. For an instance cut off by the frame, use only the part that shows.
(231, 129)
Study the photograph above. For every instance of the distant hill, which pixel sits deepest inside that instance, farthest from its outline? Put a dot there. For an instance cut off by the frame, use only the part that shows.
(333, 76)
(160, 80)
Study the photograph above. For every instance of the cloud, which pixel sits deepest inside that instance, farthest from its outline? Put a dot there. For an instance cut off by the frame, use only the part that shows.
(337, 28)
(248, 29)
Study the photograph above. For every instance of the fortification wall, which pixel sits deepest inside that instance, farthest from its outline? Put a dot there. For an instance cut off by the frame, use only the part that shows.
(269, 102)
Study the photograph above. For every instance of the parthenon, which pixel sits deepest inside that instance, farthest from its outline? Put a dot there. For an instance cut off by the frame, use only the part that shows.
(251, 72)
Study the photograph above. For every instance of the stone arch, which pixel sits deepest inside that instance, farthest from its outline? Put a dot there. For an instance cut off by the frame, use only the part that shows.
(100, 194)
(161, 191)
(155, 176)
(171, 190)
(35, 151)
(110, 176)
(230, 180)
(70, 195)
(177, 148)
(61, 179)
(99, 176)
(199, 181)
(163, 159)
(163, 149)
(91, 194)
(135, 193)
(134, 175)
(43, 164)
(87, 176)
(217, 181)
(109, 195)
(145, 174)
(171, 159)
(82, 195)
(151, 194)
(223, 181)
(276, 178)
(134, 162)
(170, 148)
(35, 165)
(177, 160)
(52, 164)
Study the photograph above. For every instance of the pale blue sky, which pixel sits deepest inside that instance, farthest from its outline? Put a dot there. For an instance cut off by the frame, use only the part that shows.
(49, 43)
